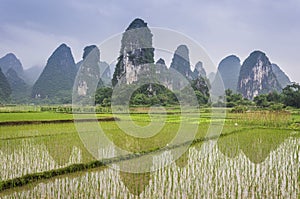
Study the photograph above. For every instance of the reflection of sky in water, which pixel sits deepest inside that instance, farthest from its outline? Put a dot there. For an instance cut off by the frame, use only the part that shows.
(215, 175)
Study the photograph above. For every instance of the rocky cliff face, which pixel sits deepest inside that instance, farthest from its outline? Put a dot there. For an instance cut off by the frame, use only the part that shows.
(58, 75)
(136, 50)
(91, 59)
(256, 76)
(92, 74)
(89, 72)
(229, 69)
(199, 70)
(282, 78)
(11, 61)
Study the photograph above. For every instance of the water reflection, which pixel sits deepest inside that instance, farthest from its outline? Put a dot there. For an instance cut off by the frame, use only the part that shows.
(136, 183)
(256, 144)
(26, 152)
(272, 173)
(66, 144)
(250, 164)
(183, 160)
(229, 146)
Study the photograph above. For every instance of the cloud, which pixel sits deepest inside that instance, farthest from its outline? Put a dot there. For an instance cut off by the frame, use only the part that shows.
(32, 47)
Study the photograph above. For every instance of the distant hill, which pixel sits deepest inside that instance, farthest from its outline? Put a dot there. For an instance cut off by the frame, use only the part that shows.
(11, 61)
(13, 70)
(32, 74)
(181, 62)
(256, 76)
(20, 90)
(199, 70)
(282, 78)
(88, 57)
(135, 64)
(229, 69)
(211, 76)
(5, 90)
(57, 78)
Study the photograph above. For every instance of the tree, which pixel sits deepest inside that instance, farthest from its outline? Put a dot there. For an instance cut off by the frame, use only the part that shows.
(201, 88)
(202, 99)
(291, 95)
(234, 99)
(140, 99)
(103, 96)
(261, 100)
(274, 97)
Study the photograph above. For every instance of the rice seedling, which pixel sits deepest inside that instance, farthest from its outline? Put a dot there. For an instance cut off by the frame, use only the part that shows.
(251, 163)
(213, 175)
(263, 118)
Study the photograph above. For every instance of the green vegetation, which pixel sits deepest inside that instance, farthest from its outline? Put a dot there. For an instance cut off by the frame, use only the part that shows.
(235, 99)
(31, 153)
(153, 94)
(259, 153)
(291, 95)
(274, 101)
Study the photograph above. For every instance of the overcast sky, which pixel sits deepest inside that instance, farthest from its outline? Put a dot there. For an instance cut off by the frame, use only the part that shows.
(33, 29)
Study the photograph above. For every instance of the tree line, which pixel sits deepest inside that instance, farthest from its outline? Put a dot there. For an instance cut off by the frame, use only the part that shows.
(158, 94)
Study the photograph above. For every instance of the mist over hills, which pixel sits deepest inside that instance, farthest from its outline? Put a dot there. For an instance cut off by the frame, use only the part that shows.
(54, 82)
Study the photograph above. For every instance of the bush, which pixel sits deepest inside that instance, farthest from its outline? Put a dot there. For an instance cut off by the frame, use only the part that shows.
(276, 107)
(239, 109)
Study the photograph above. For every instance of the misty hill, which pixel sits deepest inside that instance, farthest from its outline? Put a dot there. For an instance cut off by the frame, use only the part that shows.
(229, 69)
(282, 78)
(11, 61)
(57, 78)
(5, 90)
(32, 74)
(211, 77)
(93, 60)
(13, 70)
(256, 76)
(199, 70)
(135, 61)
(20, 90)
(181, 62)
